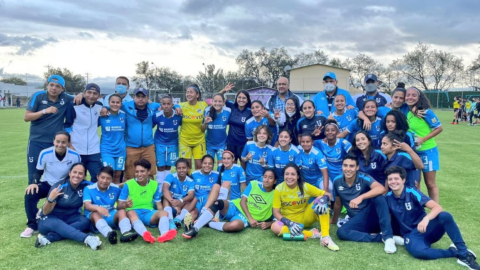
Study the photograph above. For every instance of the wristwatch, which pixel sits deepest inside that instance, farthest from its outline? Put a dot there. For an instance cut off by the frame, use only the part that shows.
(51, 201)
(44, 112)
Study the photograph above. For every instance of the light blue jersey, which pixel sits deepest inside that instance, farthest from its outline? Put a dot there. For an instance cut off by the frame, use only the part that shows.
(254, 169)
(252, 124)
(234, 175)
(179, 189)
(216, 136)
(311, 165)
(166, 132)
(279, 159)
(345, 119)
(113, 135)
(334, 155)
(374, 131)
(105, 199)
(203, 183)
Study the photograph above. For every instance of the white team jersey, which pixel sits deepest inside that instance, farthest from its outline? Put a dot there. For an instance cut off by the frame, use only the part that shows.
(54, 169)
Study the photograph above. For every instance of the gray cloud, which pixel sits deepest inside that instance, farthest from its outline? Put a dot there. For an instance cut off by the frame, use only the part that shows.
(24, 44)
(85, 34)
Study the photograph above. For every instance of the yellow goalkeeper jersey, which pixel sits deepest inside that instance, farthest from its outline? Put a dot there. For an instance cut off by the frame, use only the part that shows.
(191, 133)
(291, 202)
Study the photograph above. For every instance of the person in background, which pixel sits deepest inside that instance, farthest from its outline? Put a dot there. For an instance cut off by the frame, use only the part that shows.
(278, 101)
(456, 109)
(289, 118)
(324, 100)
(372, 93)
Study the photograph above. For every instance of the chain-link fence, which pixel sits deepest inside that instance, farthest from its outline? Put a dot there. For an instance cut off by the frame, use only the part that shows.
(444, 99)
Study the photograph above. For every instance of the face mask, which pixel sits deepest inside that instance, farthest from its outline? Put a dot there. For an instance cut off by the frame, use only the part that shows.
(330, 87)
(371, 87)
(290, 114)
(121, 89)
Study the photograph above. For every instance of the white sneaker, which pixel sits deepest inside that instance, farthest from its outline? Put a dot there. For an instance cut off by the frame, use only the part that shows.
(41, 241)
(93, 241)
(390, 247)
(328, 243)
(28, 232)
(399, 241)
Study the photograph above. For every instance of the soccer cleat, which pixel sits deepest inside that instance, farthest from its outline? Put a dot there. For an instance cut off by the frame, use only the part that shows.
(316, 234)
(452, 123)
(190, 233)
(168, 236)
(177, 223)
(128, 237)
(188, 221)
(469, 262)
(390, 247)
(399, 241)
(452, 246)
(92, 241)
(41, 241)
(112, 237)
(171, 225)
(328, 243)
(148, 237)
(28, 232)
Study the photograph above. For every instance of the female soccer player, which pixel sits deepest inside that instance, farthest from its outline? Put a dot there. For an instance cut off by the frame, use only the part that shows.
(293, 207)
(112, 143)
(396, 120)
(60, 218)
(370, 109)
(54, 164)
(166, 138)
(398, 99)
(253, 209)
(310, 123)
(99, 200)
(240, 112)
(285, 153)
(192, 138)
(343, 116)
(215, 123)
(288, 120)
(179, 194)
(333, 148)
(256, 153)
(205, 179)
(419, 229)
(260, 117)
(456, 110)
(400, 154)
(231, 177)
(371, 161)
(137, 196)
(313, 164)
(425, 128)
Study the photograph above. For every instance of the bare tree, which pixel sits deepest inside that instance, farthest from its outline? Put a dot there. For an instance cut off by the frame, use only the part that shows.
(362, 65)
(306, 59)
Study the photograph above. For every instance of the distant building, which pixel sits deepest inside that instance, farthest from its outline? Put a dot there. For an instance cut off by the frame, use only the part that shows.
(9, 93)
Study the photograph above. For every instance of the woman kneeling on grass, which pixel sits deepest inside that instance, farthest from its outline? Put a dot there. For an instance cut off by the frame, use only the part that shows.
(419, 229)
(253, 209)
(297, 204)
(60, 218)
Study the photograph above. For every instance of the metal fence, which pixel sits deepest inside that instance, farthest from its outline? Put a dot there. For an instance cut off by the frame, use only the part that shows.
(444, 99)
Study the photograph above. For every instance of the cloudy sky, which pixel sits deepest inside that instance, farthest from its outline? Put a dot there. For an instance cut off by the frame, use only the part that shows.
(107, 38)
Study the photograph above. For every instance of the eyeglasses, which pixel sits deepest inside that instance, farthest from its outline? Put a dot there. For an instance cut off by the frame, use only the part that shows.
(290, 105)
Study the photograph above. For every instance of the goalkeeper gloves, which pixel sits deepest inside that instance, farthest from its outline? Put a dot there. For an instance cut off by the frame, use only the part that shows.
(320, 205)
(294, 228)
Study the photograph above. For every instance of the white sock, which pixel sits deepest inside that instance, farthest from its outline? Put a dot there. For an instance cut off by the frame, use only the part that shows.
(163, 225)
(223, 194)
(166, 173)
(124, 225)
(139, 227)
(103, 227)
(182, 214)
(203, 219)
(168, 209)
(217, 225)
(160, 177)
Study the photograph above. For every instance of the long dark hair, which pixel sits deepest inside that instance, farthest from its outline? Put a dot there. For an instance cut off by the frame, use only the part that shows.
(400, 120)
(197, 89)
(294, 118)
(222, 168)
(249, 100)
(398, 135)
(274, 175)
(423, 102)
(213, 113)
(300, 181)
(355, 152)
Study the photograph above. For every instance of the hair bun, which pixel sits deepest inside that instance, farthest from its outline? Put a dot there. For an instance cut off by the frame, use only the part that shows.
(401, 85)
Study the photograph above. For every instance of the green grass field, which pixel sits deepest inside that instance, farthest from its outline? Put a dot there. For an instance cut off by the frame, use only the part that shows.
(251, 249)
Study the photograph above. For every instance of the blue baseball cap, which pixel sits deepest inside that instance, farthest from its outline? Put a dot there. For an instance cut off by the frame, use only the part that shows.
(56, 79)
(140, 90)
(92, 86)
(330, 75)
(371, 77)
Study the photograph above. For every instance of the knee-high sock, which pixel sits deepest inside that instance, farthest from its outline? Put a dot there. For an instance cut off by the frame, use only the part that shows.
(168, 209)
(163, 225)
(160, 178)
(217, 225)
(103, 227)
(204, 218)
(182, 214)
(124, 225)
(139, 227)
(325, 224)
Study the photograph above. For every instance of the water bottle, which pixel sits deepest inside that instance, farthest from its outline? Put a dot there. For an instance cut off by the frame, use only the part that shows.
(289, 237)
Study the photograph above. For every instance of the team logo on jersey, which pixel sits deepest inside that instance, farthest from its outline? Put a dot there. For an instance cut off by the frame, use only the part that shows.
(338, 150)
(258, 198)
(224, 118)
(62, 102)
(357, 186)
(185, 188)
(378, 100)
(243, 119)
(108, 121)
(373, 165)
(30, 159)
(107, 128)
(310, 161)
(251, 153)
(175, 122)
(65, 196)
(232, 174)
(199, 110)
(349, 118)
(341, 188)
(211, 179)
(122, 120)
(290, 158)
(80, 193)
(143, 193)
(378, 128)
(319, 123)
(407, 241)
(111, 196)
(44, 102)
(408, 206)
(434, 120)
(265, 154)
(300, 195)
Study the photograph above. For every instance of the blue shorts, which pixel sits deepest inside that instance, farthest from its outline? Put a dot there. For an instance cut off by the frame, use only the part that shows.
(110, 220)
(215, 151)
(234, 214)
(166, 155)
(431, 159)
(117, 163)
(145, 215)
(201, 203)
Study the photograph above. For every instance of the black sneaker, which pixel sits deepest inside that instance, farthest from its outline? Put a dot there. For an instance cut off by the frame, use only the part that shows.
(112, 237)
(452, 246)
(192, 232)
(128, 237)
(469, 262)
